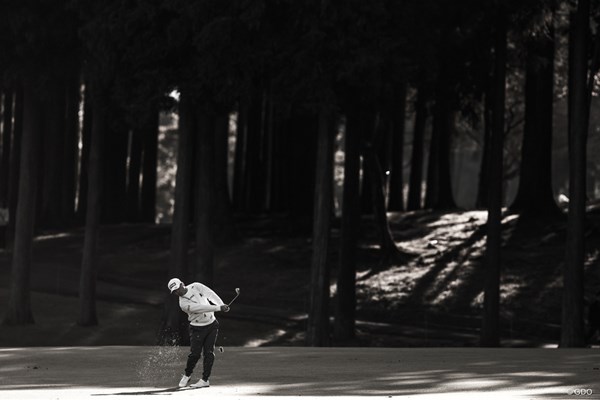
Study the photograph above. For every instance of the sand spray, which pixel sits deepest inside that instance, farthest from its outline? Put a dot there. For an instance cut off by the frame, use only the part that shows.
(162, 366)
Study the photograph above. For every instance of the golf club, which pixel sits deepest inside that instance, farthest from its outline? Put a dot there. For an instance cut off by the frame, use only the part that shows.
(237, 293)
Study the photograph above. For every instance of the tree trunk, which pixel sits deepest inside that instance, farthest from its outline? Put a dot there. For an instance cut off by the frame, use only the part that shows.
(390, 252)
(366, 197)
(446, 197)
(268, 150)
(416, 163)
(277, 201)
(149, 169)
(490, 333)
(19, 301)
(70, 151)
(572, 326)
(432, 189)
(483, 185)
(115, 172)
(371, 127)
(398, 117)
(300, 164)
(53, 144)
(15, 162)
(439, 186)
(318, 317)
(173, 326)
(535, 198)
(345, 307)
(89, 263)
(6, 145)
(254, 165)
(7, 114)
(205, 196)
(133, 175)
(224, 225)
(239, 186)
(86, 136)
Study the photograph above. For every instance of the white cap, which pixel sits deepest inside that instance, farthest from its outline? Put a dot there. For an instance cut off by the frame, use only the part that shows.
(174, 284)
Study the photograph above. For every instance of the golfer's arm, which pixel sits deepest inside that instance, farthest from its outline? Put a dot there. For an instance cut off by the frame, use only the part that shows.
(198, 308)
(213, 297)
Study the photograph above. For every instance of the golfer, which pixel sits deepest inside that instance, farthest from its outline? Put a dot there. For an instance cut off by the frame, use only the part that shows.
(199, 302)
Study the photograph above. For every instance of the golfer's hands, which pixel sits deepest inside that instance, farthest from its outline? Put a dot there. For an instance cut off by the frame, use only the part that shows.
(225, 308)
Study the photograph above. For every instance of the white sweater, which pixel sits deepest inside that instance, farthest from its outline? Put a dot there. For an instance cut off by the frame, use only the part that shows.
(196, 303)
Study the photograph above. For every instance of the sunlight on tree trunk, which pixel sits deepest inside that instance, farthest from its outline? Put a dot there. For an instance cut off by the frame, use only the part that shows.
(89, 264)
(345, 309)
(318, 317)
(15, 161)
(133, 174)
(173, 325)
(86, 135)
(224, 224)
(149, 168)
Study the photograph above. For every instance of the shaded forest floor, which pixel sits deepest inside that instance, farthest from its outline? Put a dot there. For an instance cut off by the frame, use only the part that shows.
(432, 299)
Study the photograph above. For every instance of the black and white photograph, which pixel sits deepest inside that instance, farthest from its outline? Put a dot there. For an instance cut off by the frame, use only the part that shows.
(262, 199)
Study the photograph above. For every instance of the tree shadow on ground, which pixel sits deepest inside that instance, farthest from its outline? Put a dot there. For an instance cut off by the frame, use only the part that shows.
(312, 372)
(146, 392)
(451, 260)
(405, 228)
(531, 273)
(446, 281)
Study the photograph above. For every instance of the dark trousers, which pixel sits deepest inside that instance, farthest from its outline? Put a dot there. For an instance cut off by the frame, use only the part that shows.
(202, 339)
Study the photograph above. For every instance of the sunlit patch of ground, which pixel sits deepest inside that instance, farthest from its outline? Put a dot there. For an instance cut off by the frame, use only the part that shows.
(444, 264)
(446, 276)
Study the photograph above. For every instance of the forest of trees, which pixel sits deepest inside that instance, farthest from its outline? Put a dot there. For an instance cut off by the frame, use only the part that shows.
(83, 83)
